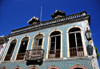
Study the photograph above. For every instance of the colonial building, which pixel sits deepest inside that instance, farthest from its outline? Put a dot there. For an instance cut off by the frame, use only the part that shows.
(64, 42)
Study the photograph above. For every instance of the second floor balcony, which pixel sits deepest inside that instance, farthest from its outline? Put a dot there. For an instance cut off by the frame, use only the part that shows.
(34, 56)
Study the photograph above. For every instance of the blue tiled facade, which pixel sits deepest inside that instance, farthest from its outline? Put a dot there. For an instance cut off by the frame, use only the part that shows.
(61, 63)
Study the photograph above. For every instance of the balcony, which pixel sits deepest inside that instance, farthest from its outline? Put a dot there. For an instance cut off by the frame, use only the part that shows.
(76, 51)
(34, 56)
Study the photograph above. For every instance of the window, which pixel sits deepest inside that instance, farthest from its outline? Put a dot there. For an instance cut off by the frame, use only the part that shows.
(22, 49)
(75, 42)
(10, 50)
(54, 50)
(38, 40)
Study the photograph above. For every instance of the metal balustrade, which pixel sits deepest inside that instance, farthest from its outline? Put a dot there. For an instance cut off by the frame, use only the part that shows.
(20, 56)
(8, 56)
(54, 53)
(34, 54)
(76, 51)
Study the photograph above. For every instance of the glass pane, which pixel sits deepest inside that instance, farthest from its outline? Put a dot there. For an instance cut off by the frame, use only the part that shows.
(72, 40)
(87, 35)
(79, 40)
(58, 42)
(23, 46)
(40, 42)
(11, 48)
(52, 46)
(52, 39)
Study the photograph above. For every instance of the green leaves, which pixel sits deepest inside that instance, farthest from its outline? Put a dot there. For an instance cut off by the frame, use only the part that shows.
(97, 52)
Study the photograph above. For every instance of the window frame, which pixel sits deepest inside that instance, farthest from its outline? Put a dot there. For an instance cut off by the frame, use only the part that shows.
(82, 38)
(19, 47)
(49, 40)
(13, 50)
(32, 45)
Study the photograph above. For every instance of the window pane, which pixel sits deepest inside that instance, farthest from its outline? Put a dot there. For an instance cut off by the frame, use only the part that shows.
(79, 40)
(72, 40)
(52, 39)
(58, 42)
(22, 49)
(40, 41)
(23, 46)
(52, 46)
(11, 48)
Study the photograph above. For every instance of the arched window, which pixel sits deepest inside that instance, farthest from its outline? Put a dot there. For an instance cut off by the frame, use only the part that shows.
(33, 67)
(55, 45)
(17, 67)
(53, 67)
(38, 41)
(75, 42)
(10, 50)
(4, 67)
(22, 49)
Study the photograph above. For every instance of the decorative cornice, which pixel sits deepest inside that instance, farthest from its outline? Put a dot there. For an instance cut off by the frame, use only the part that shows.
(51, 23)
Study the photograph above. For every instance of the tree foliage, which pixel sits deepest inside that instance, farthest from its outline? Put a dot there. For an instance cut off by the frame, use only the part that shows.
(97, 52)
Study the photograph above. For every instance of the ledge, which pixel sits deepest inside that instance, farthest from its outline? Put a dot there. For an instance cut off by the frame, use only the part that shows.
(66, 58)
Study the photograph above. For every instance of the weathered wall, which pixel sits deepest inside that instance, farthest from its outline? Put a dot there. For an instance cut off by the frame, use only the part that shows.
(64, 63)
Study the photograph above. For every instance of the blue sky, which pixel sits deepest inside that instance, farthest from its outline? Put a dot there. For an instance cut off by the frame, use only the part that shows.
(16, 13)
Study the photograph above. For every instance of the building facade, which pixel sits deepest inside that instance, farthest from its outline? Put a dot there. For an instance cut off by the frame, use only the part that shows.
(59, 43)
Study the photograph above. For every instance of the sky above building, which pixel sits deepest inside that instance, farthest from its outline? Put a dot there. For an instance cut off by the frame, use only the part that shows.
(15, 14)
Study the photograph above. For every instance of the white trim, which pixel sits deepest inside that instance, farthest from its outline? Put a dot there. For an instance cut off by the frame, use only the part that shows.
(13, 50)
(61, 53)
(42, 41)
(20, 45)
(83, 40)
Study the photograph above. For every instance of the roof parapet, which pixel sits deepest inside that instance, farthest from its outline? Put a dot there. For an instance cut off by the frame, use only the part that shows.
(33, 20)
(58, 14)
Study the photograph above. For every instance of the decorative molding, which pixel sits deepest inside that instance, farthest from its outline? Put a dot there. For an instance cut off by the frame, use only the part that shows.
(49, 23)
